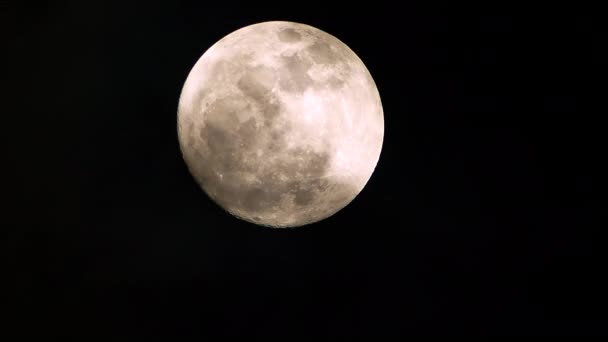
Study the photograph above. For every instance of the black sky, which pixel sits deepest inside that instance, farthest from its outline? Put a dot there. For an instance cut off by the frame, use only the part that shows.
(482, 217)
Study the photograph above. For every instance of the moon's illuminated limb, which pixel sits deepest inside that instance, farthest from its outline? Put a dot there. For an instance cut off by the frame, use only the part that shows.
(281, 124)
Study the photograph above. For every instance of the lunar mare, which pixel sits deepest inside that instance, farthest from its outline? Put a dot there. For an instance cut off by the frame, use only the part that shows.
(281, 124)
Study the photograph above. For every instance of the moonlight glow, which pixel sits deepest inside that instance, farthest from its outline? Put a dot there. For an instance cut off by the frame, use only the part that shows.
(281, 124)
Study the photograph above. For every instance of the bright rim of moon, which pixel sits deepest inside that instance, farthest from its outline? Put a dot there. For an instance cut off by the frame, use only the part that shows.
(281, 124)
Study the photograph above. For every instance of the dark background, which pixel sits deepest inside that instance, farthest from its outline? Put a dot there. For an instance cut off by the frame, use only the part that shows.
(482, 217)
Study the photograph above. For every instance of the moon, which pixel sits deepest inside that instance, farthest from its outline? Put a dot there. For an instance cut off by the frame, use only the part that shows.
(281, 124)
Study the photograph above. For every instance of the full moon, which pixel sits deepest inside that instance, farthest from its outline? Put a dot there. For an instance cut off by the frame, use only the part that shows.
(281, 124)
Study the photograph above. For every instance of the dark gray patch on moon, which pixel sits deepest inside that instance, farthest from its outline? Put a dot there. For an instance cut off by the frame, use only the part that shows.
(303, 177)
(289, 35)
(307, 191)
(297, 78)
(322, 53)
(335, 83)
(304, 196)
(217, 138)
(250, 85)
(248, 132)
(255, 199)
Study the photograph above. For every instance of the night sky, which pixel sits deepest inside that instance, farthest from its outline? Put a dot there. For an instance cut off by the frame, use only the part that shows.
(482, 217)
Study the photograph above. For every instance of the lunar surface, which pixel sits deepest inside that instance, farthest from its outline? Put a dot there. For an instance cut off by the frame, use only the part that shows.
(281, 124)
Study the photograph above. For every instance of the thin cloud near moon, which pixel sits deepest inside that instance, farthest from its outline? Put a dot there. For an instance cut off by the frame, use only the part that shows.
(281, 124)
